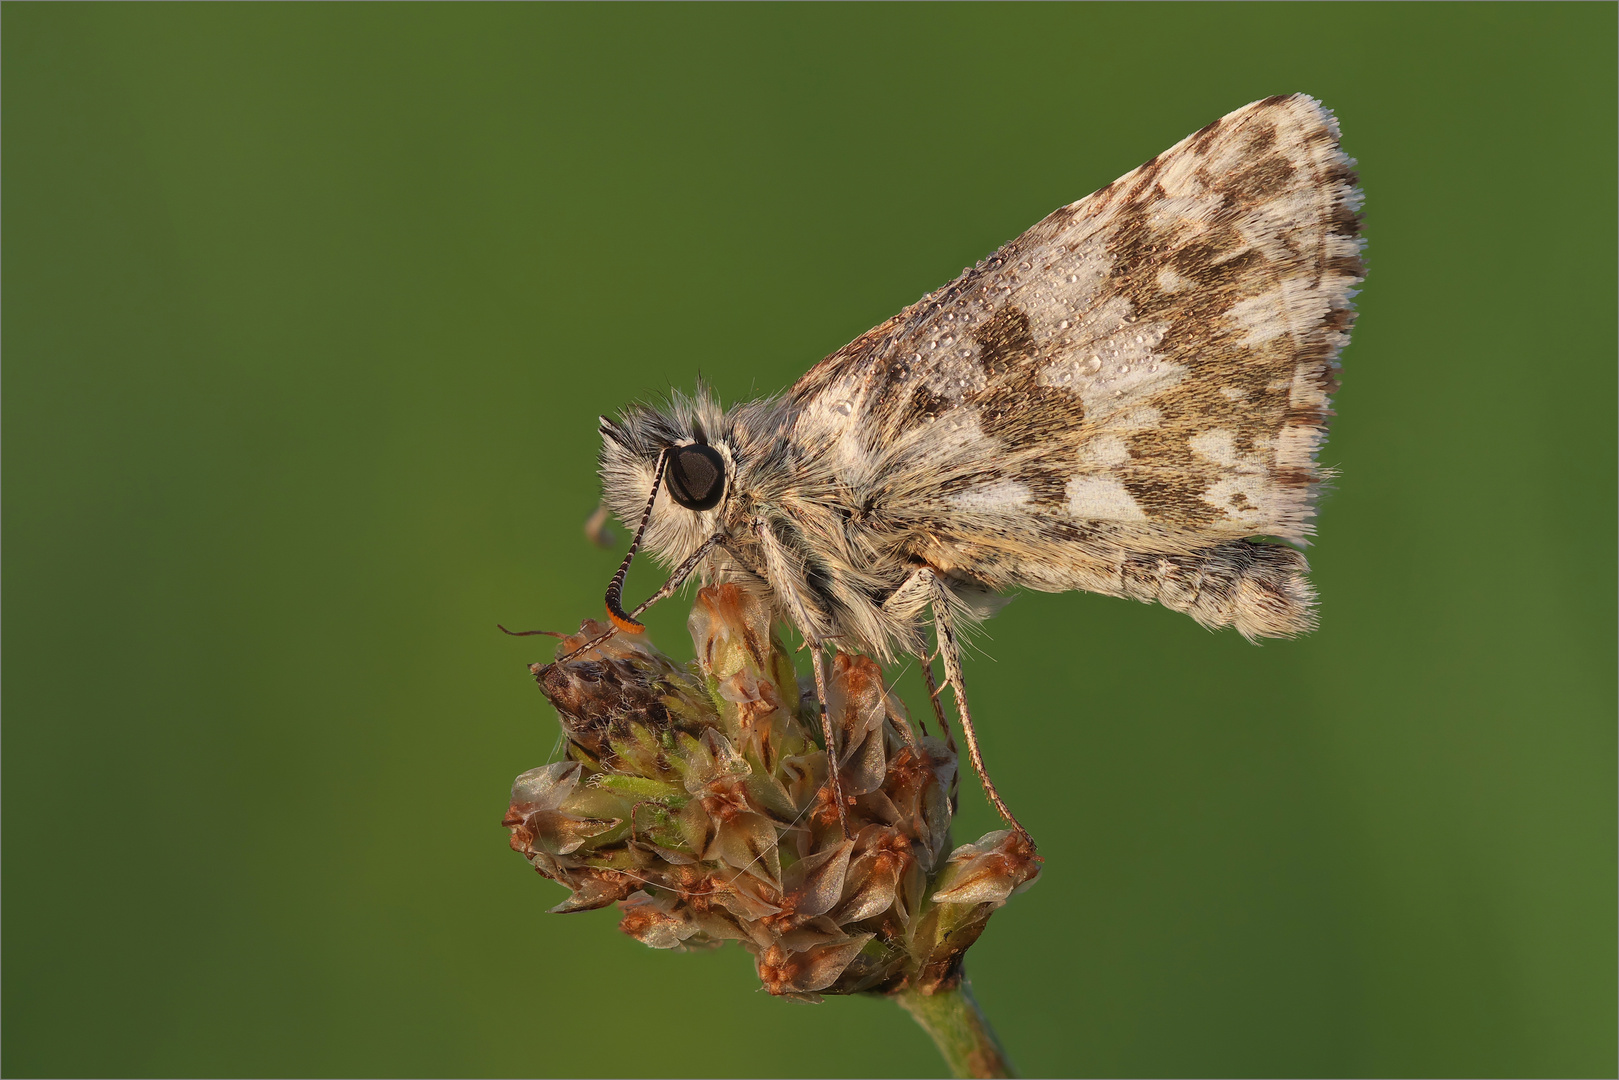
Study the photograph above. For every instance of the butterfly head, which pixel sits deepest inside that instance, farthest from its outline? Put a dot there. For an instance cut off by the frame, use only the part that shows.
(668, 472)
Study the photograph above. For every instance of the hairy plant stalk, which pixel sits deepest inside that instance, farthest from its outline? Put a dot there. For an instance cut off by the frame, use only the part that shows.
(959, 1029)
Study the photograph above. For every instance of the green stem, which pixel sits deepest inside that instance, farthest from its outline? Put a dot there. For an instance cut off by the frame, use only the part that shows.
(959, 1029)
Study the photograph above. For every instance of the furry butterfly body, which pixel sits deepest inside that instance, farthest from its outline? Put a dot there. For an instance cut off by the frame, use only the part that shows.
(1127, 399)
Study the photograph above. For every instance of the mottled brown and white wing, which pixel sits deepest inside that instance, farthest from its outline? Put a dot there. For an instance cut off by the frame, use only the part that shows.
(1122, 396)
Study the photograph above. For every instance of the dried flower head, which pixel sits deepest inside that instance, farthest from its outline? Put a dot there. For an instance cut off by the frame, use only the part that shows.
(696, 798)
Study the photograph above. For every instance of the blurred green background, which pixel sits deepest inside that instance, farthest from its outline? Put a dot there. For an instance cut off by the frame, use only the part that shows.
(309, 312)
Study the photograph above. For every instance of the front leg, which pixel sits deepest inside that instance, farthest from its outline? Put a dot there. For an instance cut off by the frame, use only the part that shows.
(783, 582)
(676, 579)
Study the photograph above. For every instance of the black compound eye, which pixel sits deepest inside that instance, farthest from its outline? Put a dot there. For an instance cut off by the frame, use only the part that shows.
(696, 476)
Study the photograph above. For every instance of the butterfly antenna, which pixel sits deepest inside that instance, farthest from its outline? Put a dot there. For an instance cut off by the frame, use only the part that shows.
(615, 591)
(528, 633)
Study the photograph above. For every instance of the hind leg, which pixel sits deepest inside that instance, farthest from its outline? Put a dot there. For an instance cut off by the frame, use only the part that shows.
(925, 587)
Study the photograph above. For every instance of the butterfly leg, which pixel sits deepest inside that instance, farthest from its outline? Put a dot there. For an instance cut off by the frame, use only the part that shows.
(776, 569)
(944, 725)
(944, 627)
(676, 580)
(833, 764)
(906, 604)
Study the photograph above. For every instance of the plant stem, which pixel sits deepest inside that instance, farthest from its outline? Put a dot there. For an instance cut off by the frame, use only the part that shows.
(959, 1029)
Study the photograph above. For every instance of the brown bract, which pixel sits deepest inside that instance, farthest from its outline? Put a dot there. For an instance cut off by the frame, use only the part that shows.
(695, 796)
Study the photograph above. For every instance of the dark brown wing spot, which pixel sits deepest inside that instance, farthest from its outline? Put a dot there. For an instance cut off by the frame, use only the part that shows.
(1004, 341)
(1047, 481)
(1205, 135)
(922, 406)
(1263, 180)
(963, 481)
(1022, 414)
(1065, 531)
(1260, 139)
(1167, 480)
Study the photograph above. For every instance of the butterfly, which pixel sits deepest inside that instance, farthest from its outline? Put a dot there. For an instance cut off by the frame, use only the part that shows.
(1127, 399)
